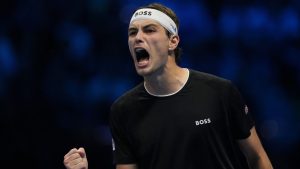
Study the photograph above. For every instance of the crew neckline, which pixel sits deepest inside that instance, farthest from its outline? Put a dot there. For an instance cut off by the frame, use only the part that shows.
(173, 93)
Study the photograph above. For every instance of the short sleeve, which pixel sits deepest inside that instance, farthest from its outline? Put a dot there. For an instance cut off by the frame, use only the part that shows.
(122, 149)
(241, 120)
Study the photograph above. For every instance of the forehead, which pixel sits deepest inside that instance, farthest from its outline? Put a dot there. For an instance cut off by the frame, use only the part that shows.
(143, 22)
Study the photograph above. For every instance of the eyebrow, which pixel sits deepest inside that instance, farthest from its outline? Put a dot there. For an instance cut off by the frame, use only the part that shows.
(144, 27)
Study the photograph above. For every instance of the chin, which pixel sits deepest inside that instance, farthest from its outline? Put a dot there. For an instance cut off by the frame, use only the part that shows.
(143, 72)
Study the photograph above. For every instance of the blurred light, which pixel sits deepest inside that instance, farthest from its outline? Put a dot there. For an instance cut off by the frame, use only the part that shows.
(119, 88)
(229, 22)
(186, 61)
(195, 22)
(269, 129)
(78, 39)
(96, 89)
(80, 43)
(7, 57)
(230, 64)
(126, 12)
(256, 18)
(274, 104)
(289, 22)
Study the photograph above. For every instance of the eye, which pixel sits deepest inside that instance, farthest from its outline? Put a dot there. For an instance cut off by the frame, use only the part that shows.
(132, 32)
(150, 30)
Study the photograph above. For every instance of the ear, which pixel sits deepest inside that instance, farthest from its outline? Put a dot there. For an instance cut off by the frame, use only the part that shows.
(174, 41)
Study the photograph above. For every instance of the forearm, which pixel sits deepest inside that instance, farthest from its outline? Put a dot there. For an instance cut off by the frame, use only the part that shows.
(261, 162)
(256, 155)
(126, 166)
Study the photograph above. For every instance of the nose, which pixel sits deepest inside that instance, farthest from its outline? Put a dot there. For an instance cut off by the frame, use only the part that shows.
(139, 37)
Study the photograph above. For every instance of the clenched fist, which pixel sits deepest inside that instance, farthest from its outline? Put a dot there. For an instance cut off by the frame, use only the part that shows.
(76, 159)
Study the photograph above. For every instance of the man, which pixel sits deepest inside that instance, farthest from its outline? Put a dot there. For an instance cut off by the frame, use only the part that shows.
(177, 118)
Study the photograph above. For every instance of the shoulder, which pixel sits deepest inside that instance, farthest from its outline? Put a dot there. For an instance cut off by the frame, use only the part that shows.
(128, 97)
(209, 79)
(215, 84)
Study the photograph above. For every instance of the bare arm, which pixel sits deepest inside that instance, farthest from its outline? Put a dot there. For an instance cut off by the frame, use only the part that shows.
(126, 166)
(254, 152)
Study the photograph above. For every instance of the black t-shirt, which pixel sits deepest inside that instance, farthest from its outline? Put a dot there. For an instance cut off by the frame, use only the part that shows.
(197, 127)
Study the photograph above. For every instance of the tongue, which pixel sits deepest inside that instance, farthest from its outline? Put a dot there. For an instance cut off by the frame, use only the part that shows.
(142, 57)
(143, 62)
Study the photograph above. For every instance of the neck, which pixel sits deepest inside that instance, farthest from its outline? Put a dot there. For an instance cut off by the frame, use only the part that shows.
(167, 82)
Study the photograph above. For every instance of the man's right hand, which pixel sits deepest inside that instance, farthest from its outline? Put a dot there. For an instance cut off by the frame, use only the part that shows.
(76, 159)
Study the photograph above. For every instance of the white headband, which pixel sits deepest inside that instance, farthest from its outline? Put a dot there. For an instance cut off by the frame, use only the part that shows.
(162, 18)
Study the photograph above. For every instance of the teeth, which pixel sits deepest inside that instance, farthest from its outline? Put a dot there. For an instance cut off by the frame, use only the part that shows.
(139, 49)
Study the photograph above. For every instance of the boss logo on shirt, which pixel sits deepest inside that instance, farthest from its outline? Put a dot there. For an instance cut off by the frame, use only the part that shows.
(203, 121)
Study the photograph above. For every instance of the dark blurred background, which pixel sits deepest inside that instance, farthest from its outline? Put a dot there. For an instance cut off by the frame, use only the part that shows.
(63, 63)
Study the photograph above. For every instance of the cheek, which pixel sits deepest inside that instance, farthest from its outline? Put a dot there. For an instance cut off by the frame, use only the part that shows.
(130, 46)
(129, 43)
(161, 46)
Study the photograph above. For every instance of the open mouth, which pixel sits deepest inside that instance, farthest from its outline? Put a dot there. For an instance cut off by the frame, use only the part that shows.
(141, 55)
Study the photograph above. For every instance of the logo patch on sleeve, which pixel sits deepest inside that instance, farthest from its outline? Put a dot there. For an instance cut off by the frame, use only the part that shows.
(246, 109)
(113, 145)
